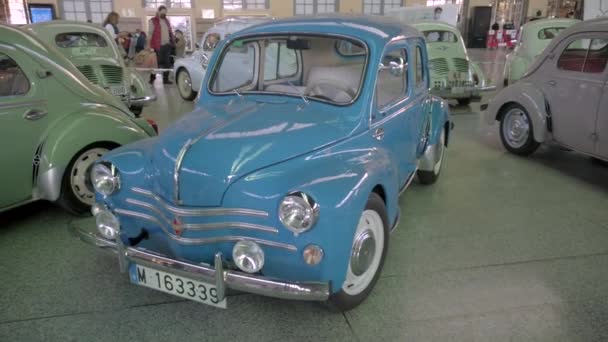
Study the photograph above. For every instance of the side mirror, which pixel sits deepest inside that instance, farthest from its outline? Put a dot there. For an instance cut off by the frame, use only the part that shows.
(205, 60)
(395, 65)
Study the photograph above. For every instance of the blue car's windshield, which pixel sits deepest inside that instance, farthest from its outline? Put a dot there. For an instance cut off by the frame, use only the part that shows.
(310, 67)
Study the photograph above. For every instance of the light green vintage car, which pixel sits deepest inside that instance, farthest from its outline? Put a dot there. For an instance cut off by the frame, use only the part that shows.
(54, 124)
(453, 75)
(533, 39)
(98, 57)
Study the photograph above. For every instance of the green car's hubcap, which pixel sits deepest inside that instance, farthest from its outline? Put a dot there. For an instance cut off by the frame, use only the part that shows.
(80, 175)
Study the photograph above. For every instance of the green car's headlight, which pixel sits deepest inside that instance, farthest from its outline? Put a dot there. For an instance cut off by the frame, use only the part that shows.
(298, 212)
(105, 178)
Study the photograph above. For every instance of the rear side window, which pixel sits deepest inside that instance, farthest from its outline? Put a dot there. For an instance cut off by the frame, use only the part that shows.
(549, 32)
(585, 55)
(80, 39)
(419, 68)
(391, 85)
(13, 81)
(280, 62)
(440, 36)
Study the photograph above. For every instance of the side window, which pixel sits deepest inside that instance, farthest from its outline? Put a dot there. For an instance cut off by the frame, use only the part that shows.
(13, 81)
(211, 41)
(585, 55)
(391, 84)
(280, 62)
(419, 68)
(237, 68)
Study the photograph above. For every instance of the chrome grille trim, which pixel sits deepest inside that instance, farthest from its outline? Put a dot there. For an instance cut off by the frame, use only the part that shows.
(202, 241)
(200, 212)
(204, 226)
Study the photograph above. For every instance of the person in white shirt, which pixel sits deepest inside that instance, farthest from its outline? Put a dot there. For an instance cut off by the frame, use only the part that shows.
(111, 25)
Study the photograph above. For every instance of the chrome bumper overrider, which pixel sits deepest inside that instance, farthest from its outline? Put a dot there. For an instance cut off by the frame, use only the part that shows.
(315, 291)
(136, 101)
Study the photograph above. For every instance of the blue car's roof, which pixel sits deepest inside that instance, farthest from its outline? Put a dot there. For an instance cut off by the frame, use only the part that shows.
(371, 27)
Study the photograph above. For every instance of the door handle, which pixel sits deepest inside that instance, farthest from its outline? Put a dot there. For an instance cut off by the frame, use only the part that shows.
(378, 133)
(35, 114)
(552, 83)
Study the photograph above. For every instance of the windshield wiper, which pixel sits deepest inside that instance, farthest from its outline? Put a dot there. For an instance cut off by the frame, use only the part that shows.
(298, 92)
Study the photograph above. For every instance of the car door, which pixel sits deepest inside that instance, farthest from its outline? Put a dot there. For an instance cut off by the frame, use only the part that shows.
(394, 115)
(23, 118)
(601, 131)
(573, 86)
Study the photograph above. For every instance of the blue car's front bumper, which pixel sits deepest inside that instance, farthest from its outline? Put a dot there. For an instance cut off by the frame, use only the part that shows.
(314, 291)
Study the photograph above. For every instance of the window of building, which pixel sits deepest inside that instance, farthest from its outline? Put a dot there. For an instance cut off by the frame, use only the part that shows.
(17, 12)
(84, 10)
(13, 81)
(309, 7)
(168, 3)
(432, 3)
(585, 55)
(237, 5)
(380, 6)
(391, 84)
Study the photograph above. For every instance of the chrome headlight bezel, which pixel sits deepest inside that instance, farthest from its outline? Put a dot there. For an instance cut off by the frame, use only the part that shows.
(105, 178)
(298, 212)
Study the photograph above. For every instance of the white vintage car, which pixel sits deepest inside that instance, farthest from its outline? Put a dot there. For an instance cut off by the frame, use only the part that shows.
(190, 71)
(533, 39)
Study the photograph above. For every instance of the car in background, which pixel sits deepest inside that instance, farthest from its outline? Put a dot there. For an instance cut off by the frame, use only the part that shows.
(534, 37)
(55, 125)
(562, 98)
(190, 71)
(98, 58)
(453, 74)
(286, 182)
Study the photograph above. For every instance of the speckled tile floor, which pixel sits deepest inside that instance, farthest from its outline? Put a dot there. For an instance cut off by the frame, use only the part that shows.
(500, 249)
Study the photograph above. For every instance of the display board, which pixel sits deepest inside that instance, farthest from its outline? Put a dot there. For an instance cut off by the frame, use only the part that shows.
(41, 12)
(447, 13)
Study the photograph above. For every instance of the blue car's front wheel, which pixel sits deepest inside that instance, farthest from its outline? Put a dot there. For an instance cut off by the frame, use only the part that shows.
(368, 252)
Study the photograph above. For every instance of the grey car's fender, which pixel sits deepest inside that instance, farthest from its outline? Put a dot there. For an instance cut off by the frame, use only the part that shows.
(526, 95)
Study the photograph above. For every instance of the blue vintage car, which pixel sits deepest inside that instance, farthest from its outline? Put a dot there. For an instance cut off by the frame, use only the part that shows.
(285, 180)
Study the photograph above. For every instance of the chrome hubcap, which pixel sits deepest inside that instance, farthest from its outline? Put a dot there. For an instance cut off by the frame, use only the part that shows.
(80, 175)
(184, 83)
(365, 254)
(516, 128)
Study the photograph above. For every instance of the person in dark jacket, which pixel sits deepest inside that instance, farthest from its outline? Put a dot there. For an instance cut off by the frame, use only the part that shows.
(161, 40)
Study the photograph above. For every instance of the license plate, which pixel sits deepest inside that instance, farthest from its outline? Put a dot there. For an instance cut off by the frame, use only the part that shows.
(118, 91)
(176, 285)
(457, 90)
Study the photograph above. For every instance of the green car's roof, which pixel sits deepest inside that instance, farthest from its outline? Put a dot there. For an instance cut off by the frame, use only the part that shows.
(435, 25)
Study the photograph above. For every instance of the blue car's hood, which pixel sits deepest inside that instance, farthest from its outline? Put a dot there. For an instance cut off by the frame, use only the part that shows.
(220, 144)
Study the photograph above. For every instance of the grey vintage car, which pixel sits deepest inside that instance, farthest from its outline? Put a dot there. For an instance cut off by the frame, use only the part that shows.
(562, 97)
(97, 56)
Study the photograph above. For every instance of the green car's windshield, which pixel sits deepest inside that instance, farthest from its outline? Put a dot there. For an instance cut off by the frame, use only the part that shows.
(305, 66)
(440, 36)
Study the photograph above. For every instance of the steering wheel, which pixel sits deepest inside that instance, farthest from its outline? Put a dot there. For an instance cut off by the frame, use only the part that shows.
(322, 88)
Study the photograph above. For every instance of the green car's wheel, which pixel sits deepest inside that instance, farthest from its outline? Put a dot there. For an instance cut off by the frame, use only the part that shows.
(368, 252)
(77, 193)
(184, 85)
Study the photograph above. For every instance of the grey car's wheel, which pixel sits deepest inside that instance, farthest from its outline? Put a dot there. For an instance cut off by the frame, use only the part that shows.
(77, 193)
(368, 252)
(184, 85)
(430, 177)
(516, 131)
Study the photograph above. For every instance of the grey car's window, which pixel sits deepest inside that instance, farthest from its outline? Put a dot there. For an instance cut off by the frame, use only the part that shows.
(211, 41)
(549, 32)
(391, 85)
(13, 81)
(585, 55)
(280, 62)
(80, 39)
(440, 36)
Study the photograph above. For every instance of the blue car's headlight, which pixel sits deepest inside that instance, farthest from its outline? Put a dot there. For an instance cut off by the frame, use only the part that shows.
(105, 178)
(298, 212)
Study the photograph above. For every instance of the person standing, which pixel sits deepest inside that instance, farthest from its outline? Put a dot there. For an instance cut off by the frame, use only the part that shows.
(111, 25)
(161, 41)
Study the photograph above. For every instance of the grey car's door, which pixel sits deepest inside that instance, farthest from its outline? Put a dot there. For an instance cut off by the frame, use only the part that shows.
(573, 83)
(601, 143)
